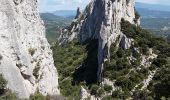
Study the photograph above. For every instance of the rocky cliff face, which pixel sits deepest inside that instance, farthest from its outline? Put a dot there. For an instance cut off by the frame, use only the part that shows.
(26, 59)
(101, 20)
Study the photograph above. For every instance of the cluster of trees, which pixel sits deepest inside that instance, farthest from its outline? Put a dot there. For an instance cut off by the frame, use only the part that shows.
(3, 84)
(77, 64)
(67, 59)
(100, 91)
(127, 74)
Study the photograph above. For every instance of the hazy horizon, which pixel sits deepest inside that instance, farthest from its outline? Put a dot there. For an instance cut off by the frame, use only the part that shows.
(54, 5)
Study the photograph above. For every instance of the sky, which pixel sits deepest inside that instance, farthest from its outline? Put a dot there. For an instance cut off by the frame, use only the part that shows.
(53, 5)
(161, 2)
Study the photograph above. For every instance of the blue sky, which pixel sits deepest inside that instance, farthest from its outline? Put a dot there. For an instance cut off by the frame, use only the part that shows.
(52, 5)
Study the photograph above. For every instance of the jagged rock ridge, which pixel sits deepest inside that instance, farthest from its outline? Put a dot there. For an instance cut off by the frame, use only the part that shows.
(101, 20)
(26, 59)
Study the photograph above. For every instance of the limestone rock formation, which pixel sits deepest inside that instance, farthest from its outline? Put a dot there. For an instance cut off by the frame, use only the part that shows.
(78, 13)
(84, 95)
(26, 58)
(101, 20)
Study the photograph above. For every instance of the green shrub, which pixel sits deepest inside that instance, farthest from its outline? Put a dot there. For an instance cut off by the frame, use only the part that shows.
(120, 53)
(126, 84)
(108, 98)
(8, 95)
(94, 88)
(55, 97)
(3, 84)
(108, 88)
(100, 92)
(37, 96)
(159, 62)
(31, 51)
(68, 90)
(67, 58)
(128, 29)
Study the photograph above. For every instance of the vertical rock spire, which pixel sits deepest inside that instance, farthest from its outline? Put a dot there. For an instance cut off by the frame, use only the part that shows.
(101, 20)
(78, 13)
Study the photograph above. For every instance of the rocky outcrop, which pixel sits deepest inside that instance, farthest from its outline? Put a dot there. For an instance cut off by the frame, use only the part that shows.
(26, 58)
(101, 20)
(125, 42)
(146, 59)
(84, 95)
(78, 13)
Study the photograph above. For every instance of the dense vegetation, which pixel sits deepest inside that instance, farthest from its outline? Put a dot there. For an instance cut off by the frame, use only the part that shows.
(128, 75)
(67, 58)
(75, 61)
(77, 66)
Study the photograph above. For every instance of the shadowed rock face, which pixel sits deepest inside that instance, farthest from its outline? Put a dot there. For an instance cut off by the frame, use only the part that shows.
(78, 13)
(26, 59)
(101, 20)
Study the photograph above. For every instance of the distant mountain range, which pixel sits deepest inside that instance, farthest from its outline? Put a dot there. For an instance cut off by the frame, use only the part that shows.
(65, 13)
(153, 11)
(153, 17)
(153, 7)
(146, 13)
(145, 10)
(54, 24)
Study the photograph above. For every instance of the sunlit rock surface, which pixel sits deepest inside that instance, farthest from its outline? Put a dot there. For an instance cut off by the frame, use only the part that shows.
(27, 62)
(101, 20)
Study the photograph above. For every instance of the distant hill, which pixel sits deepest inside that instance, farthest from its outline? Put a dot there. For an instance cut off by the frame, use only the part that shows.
(146, 13)
(159, 26)
(153, 18)
(50, 16)
(146, 10)
(54, 24)
(65, 13)
(154, 7)
(153, 11)
(56, 18)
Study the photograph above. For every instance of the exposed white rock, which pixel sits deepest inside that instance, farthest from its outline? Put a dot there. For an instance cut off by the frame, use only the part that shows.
(146, 59)
(125, 42)
(27, 62)
(84, 95)
(110, 83)
(101, 20)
